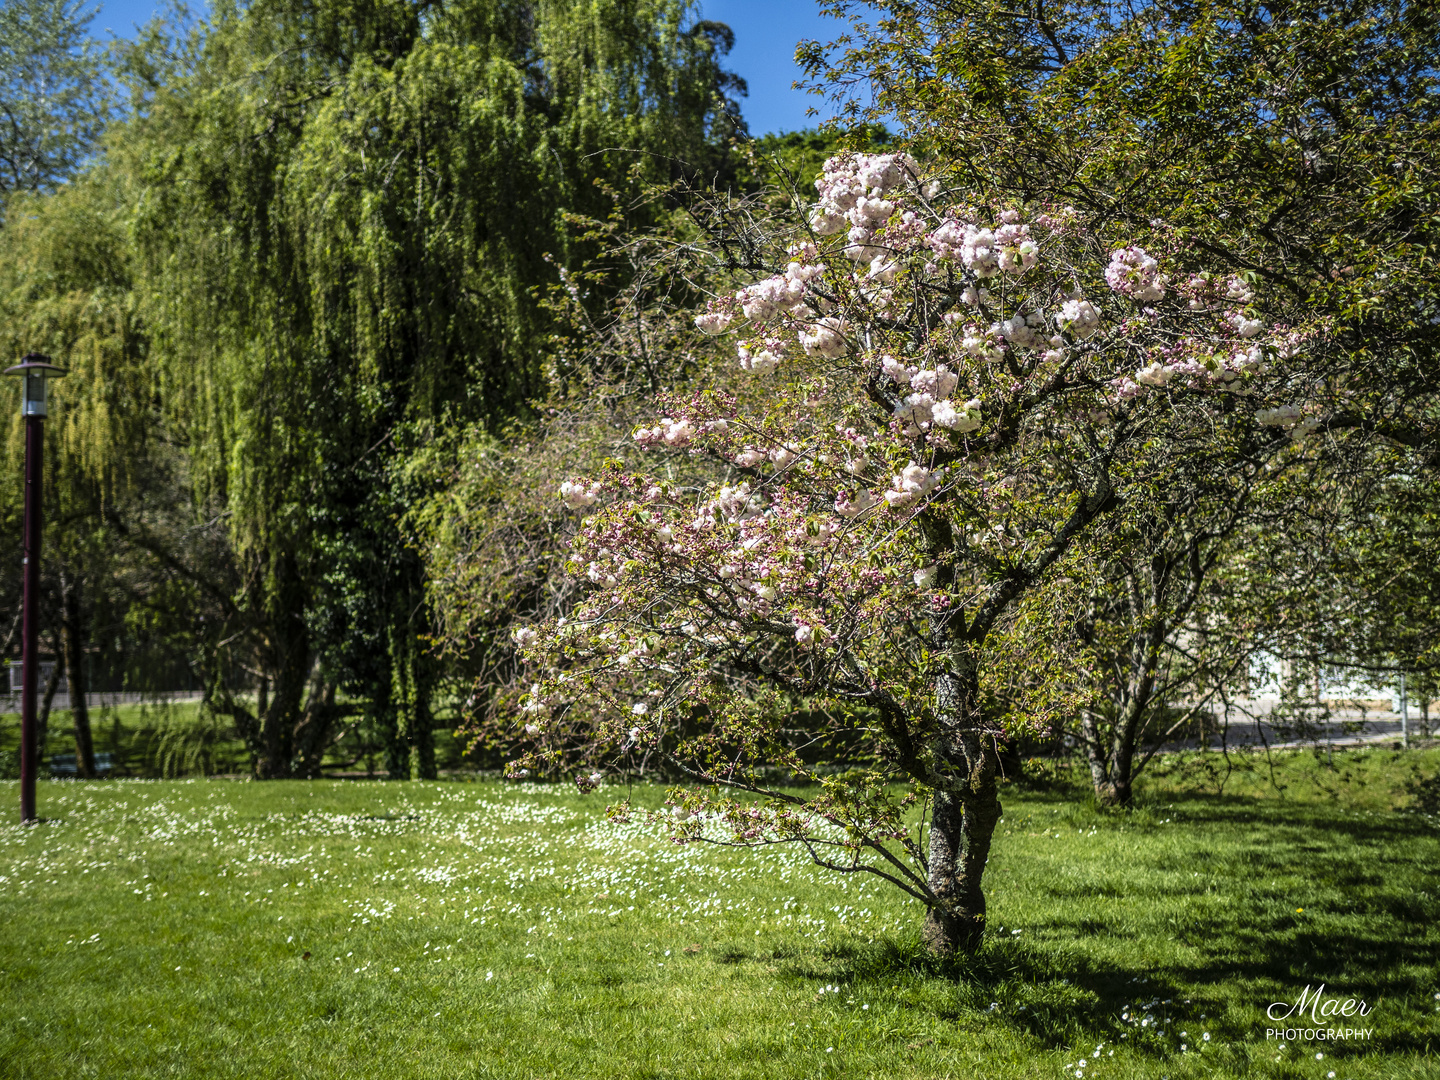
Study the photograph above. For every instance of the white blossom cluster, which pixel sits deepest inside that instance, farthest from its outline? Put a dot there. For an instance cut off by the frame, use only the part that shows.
(1214, 367)
(670, 432)
(535, 704)
(1080, 317)
(808, 635)
(825, 338)
(761, 357)
(853, 505)
(1282, 416)
(781, 294)
(986, 252)
(1244, 326)
(714, 322)
(929, 405)
(577, 494)
(1237, 290)
(912, 483)
(1293, 418)
(675, 433)
(852, 191)
(770, 296)
(1134, 273)
(731, 505)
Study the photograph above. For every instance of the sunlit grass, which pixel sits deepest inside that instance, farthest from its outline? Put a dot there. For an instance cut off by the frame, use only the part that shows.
(174, 738)
(161, 928)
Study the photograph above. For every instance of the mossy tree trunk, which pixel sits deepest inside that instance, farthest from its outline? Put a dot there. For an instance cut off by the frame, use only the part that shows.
(963, 819)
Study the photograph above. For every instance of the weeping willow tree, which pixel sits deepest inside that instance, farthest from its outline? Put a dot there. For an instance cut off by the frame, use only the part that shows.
(343, 213)
(65, 288)
(66, 291)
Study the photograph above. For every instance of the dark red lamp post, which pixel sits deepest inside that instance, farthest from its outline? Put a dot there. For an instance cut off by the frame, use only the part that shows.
(34, 371)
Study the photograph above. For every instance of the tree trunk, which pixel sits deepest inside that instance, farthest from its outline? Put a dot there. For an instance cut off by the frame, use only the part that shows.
(273, 750)
(42, 725)
(72, 622)
(421, 731)
(382, 719)
(963, 819)
(1118, 788)
(276, 743)
(1095, 755)
(1112, 772)
(312, 737)
(1112, 769)
(412, 683)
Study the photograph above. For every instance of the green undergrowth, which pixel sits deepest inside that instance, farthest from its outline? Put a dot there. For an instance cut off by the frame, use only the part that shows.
(331, 929)
(161, 739)
(134, 735)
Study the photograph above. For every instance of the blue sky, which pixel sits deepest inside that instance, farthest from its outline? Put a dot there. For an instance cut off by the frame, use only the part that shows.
(765, 35)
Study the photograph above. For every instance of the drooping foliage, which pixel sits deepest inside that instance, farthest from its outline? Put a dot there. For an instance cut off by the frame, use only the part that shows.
(66, 283)
(66, 291)
(343, 212)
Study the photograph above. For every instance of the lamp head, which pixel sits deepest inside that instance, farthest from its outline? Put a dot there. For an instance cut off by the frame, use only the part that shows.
(35, 372)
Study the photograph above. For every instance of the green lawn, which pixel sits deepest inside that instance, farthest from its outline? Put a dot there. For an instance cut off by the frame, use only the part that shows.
(199, 928)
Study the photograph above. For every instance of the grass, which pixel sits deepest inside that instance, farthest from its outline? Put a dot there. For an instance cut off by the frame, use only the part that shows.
(328, 929)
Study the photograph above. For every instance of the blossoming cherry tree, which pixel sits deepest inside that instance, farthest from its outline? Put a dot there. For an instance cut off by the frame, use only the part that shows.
(947, 397)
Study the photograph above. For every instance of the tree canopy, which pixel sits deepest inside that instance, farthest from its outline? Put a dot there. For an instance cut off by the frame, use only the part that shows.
(319, 234)
(53, 93)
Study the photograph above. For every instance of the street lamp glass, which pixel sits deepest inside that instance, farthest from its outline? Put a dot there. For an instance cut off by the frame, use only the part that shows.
(34, 404)
(35, 373)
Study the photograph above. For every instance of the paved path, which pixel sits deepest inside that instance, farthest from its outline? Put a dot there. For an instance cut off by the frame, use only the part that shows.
(1344, 727)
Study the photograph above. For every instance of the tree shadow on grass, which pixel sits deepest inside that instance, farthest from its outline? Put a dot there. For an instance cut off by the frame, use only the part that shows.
(1071, 1000)
(1241, 941)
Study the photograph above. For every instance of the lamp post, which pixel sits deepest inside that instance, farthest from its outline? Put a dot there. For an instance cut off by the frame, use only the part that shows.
(35, 371)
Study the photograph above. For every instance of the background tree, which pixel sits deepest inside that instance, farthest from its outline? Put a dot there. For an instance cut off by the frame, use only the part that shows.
(1108, 645)
(54, 93)
(66, 289)
(1347, 589)
(343, 210)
